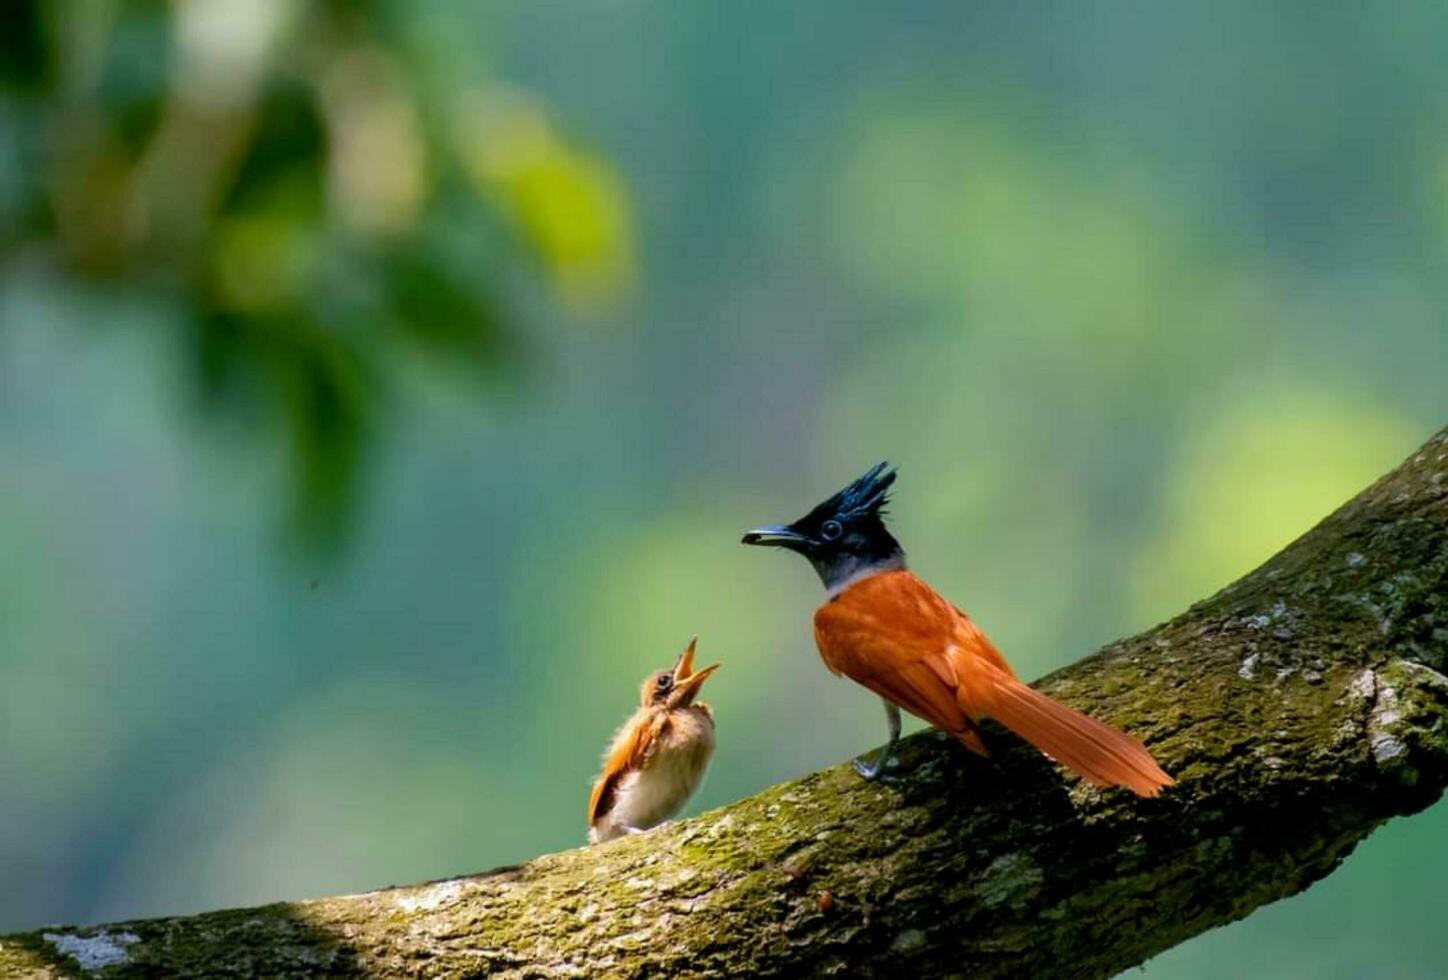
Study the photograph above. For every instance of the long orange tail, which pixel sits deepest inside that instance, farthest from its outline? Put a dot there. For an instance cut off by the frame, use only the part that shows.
(1097, 752)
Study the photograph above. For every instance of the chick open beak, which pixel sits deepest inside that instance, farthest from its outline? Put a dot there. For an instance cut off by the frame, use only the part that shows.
(687, 681)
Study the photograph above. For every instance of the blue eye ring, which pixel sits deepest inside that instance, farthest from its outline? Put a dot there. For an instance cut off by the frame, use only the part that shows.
(831, 530)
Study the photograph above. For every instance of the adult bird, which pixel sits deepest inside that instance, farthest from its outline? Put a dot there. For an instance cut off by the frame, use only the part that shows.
(887, 630)
(657, 759)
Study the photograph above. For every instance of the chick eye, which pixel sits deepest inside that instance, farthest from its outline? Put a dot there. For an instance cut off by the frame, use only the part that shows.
(664, 682)
(830, 530)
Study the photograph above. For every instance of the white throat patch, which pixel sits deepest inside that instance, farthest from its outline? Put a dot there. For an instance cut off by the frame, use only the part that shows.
(862, 573)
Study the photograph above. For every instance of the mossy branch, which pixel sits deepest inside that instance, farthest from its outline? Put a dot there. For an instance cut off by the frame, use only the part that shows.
(1299, 708)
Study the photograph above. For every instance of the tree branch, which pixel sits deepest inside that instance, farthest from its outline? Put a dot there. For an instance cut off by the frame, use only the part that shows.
(1299, 708)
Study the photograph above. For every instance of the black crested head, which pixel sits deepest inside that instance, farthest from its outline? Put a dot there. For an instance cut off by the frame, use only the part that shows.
(864, 498)
(845, 536)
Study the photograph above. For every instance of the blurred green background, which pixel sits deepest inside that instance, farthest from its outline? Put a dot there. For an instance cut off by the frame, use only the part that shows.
(384, 387)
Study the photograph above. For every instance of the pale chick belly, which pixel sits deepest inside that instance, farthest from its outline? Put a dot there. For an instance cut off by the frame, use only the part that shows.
(654, 794)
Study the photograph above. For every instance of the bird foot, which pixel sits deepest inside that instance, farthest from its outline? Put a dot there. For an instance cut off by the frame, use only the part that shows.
(874, 772)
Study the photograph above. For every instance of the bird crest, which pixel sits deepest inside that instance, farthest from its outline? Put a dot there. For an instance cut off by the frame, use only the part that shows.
(867, 495)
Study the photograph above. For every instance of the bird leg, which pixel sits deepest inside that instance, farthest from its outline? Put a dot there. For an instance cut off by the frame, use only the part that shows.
(875, 771)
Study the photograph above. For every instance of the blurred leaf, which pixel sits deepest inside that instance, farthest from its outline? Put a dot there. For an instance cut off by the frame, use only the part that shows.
(283, 173)
(22, 46)
(434, 306)
(323, 391)
(288, 149)
(131, 90)
(322, 383)
(567, 202)
(377, 158)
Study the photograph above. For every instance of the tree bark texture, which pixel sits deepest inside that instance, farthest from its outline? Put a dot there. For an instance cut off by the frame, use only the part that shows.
(1299, 709)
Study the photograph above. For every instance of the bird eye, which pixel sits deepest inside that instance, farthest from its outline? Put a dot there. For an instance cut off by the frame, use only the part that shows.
(831, 530)
(665, 682)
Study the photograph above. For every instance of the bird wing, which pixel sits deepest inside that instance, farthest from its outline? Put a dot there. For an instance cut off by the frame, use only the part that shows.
(891, 633)
(895, 635)
(632, 746)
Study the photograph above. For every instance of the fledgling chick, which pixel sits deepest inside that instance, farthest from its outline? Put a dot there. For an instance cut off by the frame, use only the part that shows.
(658, 757)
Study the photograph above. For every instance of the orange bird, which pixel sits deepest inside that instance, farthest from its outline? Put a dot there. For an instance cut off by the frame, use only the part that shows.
(887, 630)
(658, 757)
